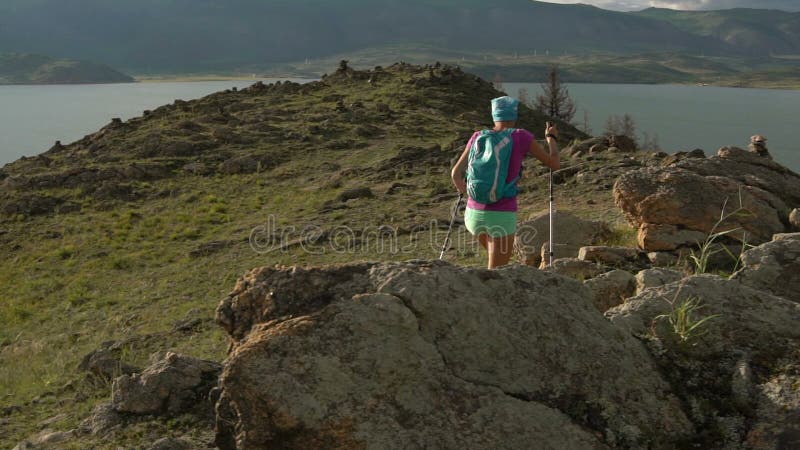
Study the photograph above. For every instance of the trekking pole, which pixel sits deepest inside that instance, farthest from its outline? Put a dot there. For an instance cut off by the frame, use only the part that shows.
(450, 228)
(550, 244)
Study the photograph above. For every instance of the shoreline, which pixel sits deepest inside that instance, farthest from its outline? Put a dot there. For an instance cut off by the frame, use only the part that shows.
(734, 84)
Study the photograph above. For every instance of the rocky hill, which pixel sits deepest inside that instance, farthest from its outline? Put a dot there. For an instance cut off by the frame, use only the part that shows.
(35, 69)
(120, 250)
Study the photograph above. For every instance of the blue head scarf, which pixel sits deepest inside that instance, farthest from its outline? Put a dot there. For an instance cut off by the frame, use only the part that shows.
(504, 109)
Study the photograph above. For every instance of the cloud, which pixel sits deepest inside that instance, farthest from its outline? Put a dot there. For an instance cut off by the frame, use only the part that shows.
(635, 5)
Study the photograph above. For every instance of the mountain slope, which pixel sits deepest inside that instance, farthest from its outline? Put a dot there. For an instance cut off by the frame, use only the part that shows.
(756, 31)
(184, 35)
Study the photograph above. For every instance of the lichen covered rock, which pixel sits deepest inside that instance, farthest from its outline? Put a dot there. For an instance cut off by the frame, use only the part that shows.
(414, 354)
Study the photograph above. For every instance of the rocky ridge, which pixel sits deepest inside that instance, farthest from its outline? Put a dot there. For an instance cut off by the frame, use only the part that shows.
(246, 131)
(737, 192)
(416, 324)
(418, 354)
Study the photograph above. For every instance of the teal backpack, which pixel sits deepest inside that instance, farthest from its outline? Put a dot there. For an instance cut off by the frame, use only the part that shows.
(487, 171)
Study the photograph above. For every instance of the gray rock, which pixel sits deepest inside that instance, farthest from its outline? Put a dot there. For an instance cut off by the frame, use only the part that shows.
(409, 355)
(773, 267)
(662, 259)
(47, 439)
(102, 420)
(656, 277)
(786, 237)
(712, 369)
(777, 406)
(611, 289)
(675, 157)
(690, 195)
(611, 256)
(572, 233)
(598, 148)
(794, 219)
(576, 268)
(665, 237)
(751, 318)
(171, 385)
(105, 363)
(354, 193)
(583, 146)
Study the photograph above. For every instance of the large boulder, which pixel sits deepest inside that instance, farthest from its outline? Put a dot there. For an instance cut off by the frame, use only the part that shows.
(677, 204)
(738, 371)
(572, 233)
(774, 267)
(425, 354)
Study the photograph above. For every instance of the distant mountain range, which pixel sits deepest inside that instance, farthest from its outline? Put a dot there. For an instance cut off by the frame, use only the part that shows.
(753, 31)
(18, 68)
(203, 35)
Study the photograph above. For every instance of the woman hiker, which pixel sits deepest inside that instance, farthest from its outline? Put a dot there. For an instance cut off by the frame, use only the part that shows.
(494, 221)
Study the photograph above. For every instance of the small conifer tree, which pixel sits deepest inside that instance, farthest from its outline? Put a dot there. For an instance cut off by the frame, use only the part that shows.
(555, 101)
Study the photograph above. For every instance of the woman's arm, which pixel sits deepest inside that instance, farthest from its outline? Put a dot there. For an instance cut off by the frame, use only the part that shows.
(550, 159)
(459, 172)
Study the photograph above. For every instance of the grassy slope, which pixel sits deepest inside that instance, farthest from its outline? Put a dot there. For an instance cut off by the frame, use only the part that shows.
(122, 270)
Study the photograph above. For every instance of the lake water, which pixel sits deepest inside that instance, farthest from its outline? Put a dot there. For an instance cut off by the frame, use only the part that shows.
(689, 117)
(32, 118)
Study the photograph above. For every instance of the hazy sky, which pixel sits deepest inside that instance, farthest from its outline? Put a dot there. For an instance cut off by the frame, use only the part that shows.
(635, 5)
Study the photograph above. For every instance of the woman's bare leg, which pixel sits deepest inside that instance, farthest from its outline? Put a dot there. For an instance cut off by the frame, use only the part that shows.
(483, 238)
(500, 250)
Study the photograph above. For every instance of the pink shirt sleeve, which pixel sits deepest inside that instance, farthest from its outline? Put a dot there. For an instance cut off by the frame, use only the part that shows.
(472, 139)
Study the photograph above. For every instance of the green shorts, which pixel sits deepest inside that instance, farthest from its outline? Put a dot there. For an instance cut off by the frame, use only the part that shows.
(494, 223)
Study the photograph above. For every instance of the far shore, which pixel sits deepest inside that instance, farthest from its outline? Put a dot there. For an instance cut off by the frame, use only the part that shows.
(791, 84)
(778, 84)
